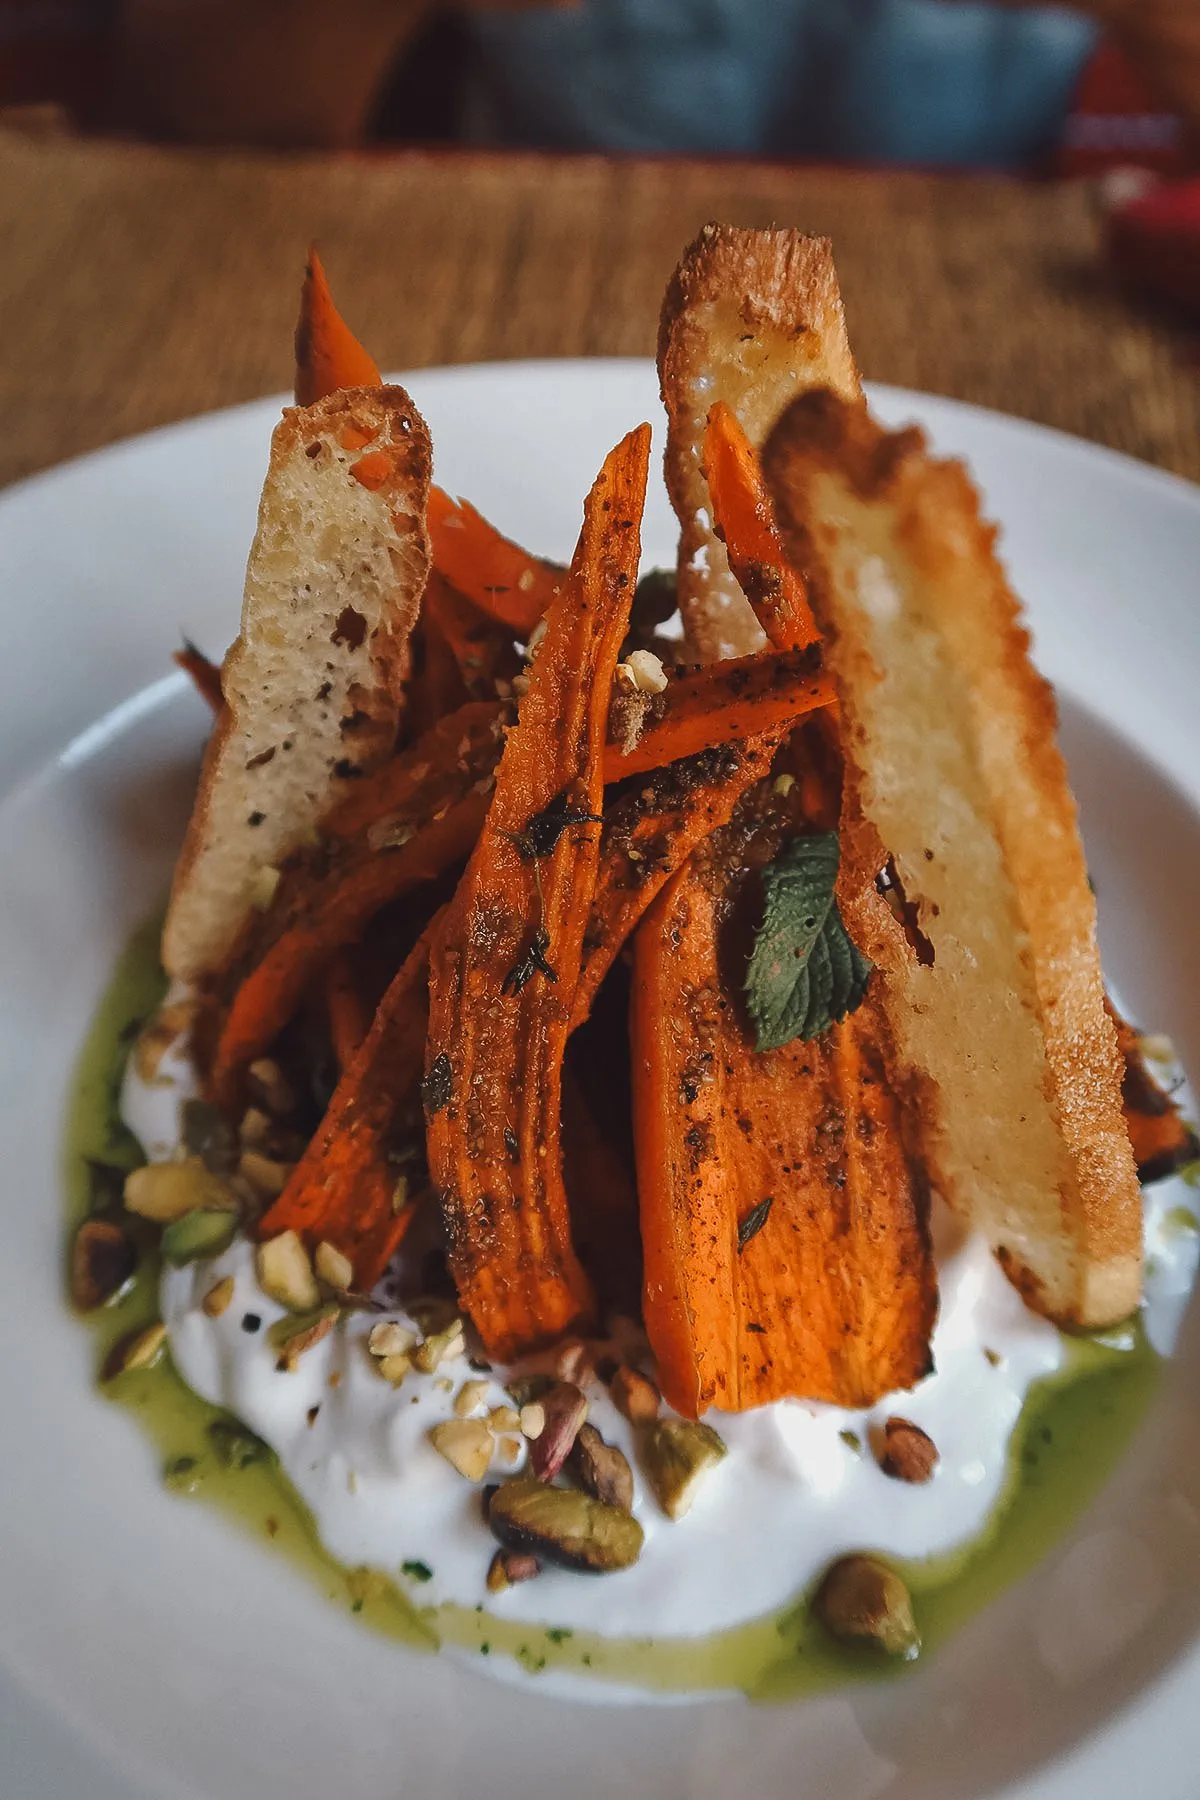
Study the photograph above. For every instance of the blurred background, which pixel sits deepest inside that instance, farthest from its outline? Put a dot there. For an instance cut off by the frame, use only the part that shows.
(1011, 189)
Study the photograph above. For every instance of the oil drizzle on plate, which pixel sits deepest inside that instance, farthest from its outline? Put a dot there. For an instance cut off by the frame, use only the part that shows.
(1072, 1432)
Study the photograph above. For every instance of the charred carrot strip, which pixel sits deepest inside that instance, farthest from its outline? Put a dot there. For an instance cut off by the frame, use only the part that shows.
(506, 962)
(499, 577)
(349, 1020)
(484, 651)
(723, 702)
(784, 1232)
(649, 833)
(435, 687)
(343, 1190)
(205, 675)
(745, 518)
(1162, 1140)
(423, 815)
(328, 355)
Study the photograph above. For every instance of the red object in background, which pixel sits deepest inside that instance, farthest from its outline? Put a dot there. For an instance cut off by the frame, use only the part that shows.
(1116, 122)
(1154, 241)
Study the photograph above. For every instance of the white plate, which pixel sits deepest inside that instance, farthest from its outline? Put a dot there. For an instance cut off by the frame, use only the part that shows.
(145, 1649)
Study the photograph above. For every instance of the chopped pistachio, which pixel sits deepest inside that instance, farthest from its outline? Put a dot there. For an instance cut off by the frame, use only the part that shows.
(400, 1194)
(526, 1389)
(677, 1453)
(141, 1350)
(504, 1418)
(440, 1347)
(533, 1419)
(165, 1191)
(905, 1452)
(862, 1600)
(266, 1176)
(634, 1395)
(564, 1526)
(334, 1268)
(270, 1087)
(285, 1272)
(103, 1262)
(566, 1408)
(470, 1397)
(389, 1338)
(218, 1297)
(395, 1367)
(466, 1444)
(646, 671)
(783, 785)
(601, 1469)
(296, 1333)
(198, 1234)
(573, 1362)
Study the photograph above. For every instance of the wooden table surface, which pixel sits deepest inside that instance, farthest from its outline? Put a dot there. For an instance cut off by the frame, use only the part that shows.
(141, 285)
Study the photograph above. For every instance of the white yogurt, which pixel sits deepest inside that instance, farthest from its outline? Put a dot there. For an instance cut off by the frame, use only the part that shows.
(792, 1494)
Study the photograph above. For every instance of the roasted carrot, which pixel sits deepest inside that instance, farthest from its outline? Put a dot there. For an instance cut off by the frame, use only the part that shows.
(745, 519)
(1162, 1140)
(503, 580)
(328, 355)
(344, 1189)
(435, 686)
(783, 1228)
(205, 675)
(422, 816)
(723, 702)
(349, 1020)
(484, 651)
(650, 830)
(601, 1196)
(506, 961)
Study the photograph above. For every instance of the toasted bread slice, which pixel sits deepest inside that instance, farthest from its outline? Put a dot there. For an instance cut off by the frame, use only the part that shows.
(313, 685)
(948, 733)
(751, 318)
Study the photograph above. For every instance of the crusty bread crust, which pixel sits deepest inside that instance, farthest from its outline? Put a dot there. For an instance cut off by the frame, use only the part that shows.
(952, 764)
(314, 684)
(751, 318)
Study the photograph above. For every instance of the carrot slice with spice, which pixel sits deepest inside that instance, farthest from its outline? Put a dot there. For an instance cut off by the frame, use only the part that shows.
(344, 1188)
(745, 519)
(506, 961)
(722, 702)
(349, 1020)
(328, 355)
(783, 1228)
(205, 675)
(423, 814)
(499, 577)
(649, 832)
(1162, 1140)
(484, 651)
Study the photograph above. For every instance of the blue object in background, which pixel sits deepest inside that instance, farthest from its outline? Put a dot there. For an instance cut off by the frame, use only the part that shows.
(957, 82)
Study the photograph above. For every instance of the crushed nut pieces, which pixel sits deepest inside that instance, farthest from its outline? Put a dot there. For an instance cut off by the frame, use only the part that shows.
(336, 1270)
(905, 1452)
(286, 1274)
(634, 1396)
(218, 1297)
(466, 1444)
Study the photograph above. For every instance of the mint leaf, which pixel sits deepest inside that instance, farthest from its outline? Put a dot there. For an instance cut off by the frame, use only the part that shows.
(804, 971)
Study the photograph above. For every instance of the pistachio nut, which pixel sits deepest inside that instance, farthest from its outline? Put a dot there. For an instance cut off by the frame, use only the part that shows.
(677, 1453)
(526, 1390)
(564, 1408)
(466, 1444)
(286, 1274)
(601, 1469)
(333, 1268)
(217, 1300)
(165, 1191)
(197, 1234)
(139, 1350)
(634, 1395)
(296, 1333)
(862, 1600)
(103, 1262)
(440, 1347)
(564, 1526)
(390, 1338)
(508, 1567)
(266, 1176)
(469, 1398)
(906, 1452)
